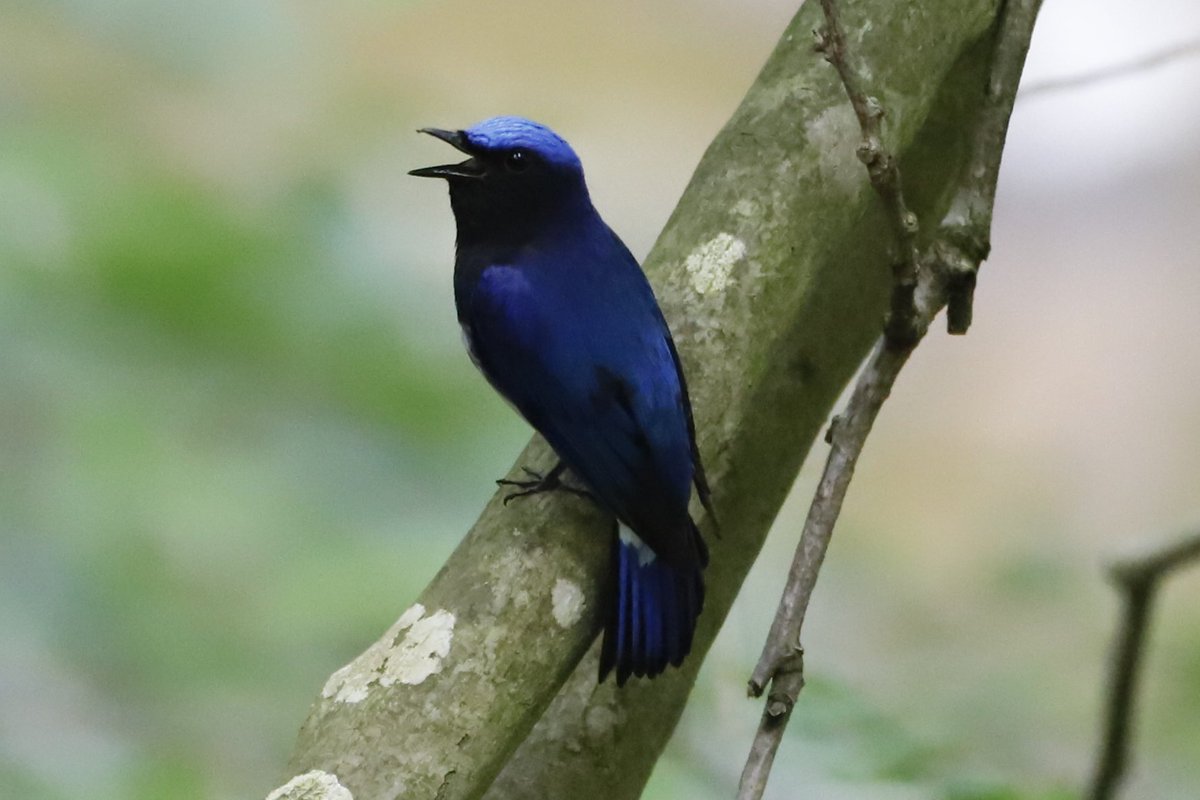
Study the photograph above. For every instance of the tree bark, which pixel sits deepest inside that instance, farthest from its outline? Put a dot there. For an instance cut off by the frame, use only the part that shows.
(774, 273)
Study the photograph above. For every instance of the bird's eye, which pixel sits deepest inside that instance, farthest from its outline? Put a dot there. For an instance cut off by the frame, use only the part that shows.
(517, 160)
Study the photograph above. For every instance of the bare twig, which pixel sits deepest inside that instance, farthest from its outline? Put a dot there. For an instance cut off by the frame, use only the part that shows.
(964, 236)
(1139, 579)
(944, 275)
(1129, 68)
(901, 325)
(782, 662)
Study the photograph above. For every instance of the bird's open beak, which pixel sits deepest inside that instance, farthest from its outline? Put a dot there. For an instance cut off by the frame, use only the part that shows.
(471, 168)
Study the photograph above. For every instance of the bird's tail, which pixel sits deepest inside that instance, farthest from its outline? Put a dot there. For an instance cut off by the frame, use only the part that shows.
(653, 611)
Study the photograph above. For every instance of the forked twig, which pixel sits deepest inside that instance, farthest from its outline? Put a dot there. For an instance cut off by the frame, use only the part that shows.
(1138, 579)
(943, 275)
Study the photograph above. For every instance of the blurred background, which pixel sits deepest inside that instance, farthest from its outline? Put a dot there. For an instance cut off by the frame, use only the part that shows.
(238, 432)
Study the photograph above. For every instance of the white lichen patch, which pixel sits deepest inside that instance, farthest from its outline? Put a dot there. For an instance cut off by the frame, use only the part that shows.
(567, 602)
(422, 651)
(710, 266)
(407, 659)
(835, 134)
(315, 785)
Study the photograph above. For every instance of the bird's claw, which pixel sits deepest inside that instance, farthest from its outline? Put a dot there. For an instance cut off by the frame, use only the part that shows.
(536, 484)
(539, 483)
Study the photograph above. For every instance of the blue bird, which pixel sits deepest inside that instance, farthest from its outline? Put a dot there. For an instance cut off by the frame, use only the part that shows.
(561, 320)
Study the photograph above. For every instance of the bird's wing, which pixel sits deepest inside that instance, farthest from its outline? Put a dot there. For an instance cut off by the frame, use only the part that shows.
(598, 379)
(699, 478)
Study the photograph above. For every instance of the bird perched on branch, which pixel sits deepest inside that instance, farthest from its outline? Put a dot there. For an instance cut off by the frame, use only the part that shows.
(559, 317)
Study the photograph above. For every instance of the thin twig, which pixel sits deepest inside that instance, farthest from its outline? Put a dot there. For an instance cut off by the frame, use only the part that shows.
(1138, 579)
(884, 170)
(964, 235)
(782, 662)
(944, 274)
(1127, 69)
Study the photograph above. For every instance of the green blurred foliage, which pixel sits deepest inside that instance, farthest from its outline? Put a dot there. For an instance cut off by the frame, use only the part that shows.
(210, 433)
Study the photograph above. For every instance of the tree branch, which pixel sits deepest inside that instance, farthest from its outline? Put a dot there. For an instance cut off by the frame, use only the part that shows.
(884, 171)
(1145, 63)
(1138, 579)
(945, 277)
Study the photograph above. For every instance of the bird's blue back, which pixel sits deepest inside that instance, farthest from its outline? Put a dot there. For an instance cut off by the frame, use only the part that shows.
(568, 330)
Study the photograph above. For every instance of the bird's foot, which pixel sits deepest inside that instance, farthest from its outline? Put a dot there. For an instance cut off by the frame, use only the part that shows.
(539, 483)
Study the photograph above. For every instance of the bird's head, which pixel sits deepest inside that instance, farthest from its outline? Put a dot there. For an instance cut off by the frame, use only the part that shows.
(518, 173)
